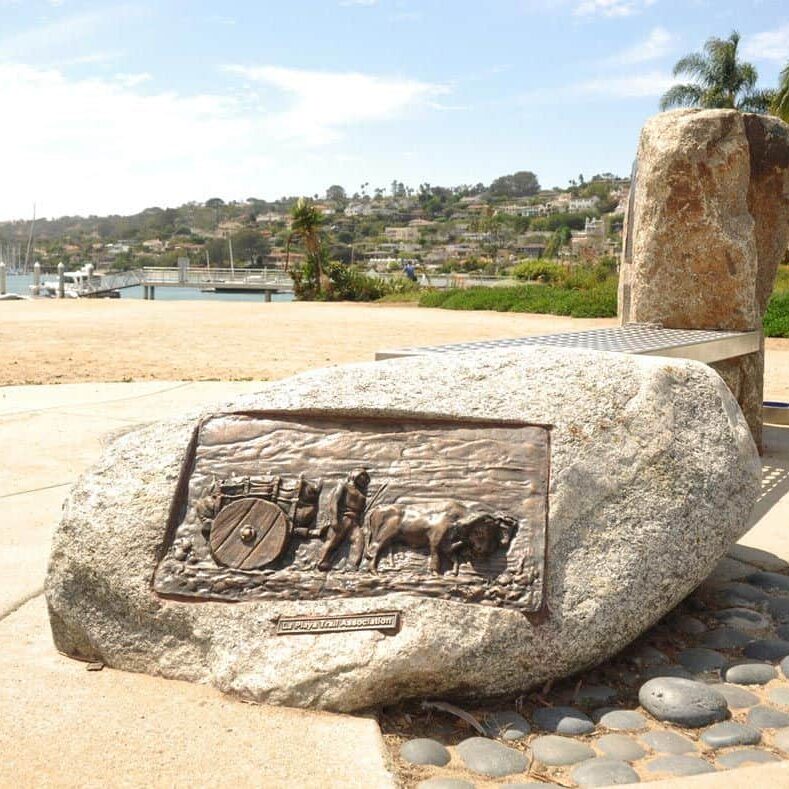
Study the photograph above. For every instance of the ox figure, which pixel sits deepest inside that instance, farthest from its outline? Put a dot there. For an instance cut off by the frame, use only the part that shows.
(446, 528)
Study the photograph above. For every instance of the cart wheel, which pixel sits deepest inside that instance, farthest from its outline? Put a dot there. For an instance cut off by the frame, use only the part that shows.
(249, 534)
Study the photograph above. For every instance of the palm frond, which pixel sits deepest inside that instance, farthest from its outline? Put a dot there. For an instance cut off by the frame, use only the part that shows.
(681, 96)
(694, 65)
(780, 105)
(757, 101)
(748, 76)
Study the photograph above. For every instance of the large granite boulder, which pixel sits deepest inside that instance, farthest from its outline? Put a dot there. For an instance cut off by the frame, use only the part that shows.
(707, 225)
(647, 478)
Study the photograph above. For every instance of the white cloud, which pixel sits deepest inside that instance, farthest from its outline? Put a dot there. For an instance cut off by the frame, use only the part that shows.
(324, 102)
(769, 45)
(132, 80)
(653, 83)
(632, 86)
(657, 44)
(611, 8)
(63, 33)
(106, 145)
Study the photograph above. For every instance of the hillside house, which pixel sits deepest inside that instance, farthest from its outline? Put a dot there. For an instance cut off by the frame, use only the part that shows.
(402, 234)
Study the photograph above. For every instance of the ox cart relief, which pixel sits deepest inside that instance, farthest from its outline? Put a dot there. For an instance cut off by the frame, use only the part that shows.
(292, 506)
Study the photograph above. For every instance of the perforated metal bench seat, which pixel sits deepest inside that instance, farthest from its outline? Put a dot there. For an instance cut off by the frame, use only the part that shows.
(699, 344)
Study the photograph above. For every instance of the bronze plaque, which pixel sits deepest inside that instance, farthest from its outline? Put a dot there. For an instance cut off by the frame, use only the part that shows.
(386, 621)
(298, 506)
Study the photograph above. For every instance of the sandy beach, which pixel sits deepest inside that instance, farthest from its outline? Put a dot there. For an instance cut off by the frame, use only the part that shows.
(45, 341)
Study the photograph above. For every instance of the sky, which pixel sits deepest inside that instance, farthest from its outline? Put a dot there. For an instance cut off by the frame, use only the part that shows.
(112, 107)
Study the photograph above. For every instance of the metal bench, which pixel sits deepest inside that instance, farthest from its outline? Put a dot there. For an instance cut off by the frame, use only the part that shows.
(646, 339)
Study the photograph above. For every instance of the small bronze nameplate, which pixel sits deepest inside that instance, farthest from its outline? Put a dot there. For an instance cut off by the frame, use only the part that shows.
(388, 621)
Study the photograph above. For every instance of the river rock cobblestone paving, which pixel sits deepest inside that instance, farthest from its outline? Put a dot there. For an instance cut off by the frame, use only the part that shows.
(705, 690)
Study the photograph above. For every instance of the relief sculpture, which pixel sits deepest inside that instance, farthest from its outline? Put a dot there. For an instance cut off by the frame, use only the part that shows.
(295, 507)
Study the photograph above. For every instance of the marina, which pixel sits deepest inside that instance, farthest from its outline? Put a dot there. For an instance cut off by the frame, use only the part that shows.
(241, 285)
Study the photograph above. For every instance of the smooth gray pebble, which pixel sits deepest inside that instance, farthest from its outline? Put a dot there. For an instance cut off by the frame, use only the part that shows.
(622, 720)
(424, 751)
(729, 733)
(767, 649)
(743, 619)
(679, 765)
(668, 742)
(689, 625)
(749, 673)
(778, 608)
(736, 697)
(725, 638)
(507, 725)
(701, 660)
(769, 581)
(779, 695)
(735, 759)
(764, 717)
(603, 772)
(781, 739)
(556, 751)
(667, 671)
(736, 594)
(491, 758)
(563, 720)
(595, 695)
(621, 747)
(682, 701)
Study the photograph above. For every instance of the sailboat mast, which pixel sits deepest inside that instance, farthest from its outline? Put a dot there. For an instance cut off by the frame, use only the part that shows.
(30, 239)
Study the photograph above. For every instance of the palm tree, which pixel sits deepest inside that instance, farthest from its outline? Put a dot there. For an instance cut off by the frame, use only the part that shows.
(306, 222)
(720, 80)
(780, 105)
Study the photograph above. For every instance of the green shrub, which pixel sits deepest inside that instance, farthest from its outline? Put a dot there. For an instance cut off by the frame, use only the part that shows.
(776, 318)
(539, 271)
(596, 302)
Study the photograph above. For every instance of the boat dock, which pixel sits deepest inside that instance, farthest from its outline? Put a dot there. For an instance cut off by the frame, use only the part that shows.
(217, 280)
(86, 284)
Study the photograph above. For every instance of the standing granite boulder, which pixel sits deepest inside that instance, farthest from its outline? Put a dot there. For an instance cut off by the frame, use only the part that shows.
(653, 474)
(707, 226)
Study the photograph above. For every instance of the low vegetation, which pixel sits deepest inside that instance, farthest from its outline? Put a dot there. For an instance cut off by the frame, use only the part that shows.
(597, 302)
(776, 319)
(580, 292)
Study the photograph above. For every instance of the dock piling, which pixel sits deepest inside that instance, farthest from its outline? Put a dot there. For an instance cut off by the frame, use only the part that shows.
(2, 279)
(36, 278)
(61, 281)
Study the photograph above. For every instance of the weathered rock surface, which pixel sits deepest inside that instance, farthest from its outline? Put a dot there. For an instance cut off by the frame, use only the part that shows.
(653, 475)
(707, 226)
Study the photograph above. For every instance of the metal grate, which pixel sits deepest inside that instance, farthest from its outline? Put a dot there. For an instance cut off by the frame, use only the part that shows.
(647, 339)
